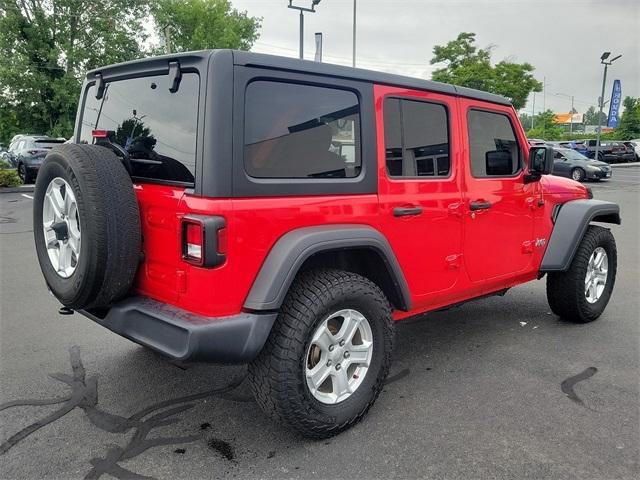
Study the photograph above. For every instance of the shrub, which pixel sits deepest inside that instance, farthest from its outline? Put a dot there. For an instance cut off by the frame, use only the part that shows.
(9, 178)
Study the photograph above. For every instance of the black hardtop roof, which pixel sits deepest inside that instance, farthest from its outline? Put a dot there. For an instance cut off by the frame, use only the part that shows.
(261, 60)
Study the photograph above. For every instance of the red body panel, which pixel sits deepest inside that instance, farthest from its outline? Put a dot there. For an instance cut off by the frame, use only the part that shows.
(447, 254)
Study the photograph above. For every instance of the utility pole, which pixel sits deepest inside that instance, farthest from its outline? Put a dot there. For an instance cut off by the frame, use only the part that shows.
(571, 117)
(572, 109)
(533, 109)
(354, 34)
(167, 38)
(603, 61)
(544, 102)
(302, 10)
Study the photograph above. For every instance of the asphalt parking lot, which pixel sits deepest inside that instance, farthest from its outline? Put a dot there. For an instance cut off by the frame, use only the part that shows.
(498, 388)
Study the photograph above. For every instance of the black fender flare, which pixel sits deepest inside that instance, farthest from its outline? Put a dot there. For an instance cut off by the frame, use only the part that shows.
(571, 222)
(290, 252)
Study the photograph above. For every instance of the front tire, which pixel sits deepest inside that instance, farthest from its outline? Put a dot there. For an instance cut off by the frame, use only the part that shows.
(578, 174)
(310, 338)
(581, 293)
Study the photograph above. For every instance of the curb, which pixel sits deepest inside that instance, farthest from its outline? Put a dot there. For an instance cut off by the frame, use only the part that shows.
(21, 189)
(626, 165)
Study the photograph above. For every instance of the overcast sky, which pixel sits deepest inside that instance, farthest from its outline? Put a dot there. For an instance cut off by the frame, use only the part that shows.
(562, 39)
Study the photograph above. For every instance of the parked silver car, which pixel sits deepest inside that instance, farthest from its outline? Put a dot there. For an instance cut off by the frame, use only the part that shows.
(569, 163)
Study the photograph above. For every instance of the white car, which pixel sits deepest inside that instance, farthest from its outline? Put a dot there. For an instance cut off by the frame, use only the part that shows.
(636, 147)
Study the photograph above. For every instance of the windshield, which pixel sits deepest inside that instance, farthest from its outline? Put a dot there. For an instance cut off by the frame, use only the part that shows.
(572, 154)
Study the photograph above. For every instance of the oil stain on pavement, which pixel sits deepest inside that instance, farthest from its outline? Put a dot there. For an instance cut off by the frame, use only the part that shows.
(84, 395)
(567, 385)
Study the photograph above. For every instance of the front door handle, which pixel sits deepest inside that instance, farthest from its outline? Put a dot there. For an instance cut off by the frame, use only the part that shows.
(479, 205)
(406, 211)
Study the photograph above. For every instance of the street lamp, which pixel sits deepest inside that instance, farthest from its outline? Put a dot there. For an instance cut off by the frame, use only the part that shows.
(603, 61)
(302, 10)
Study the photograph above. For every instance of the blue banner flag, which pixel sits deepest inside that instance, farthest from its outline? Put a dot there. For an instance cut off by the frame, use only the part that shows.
(614, 106)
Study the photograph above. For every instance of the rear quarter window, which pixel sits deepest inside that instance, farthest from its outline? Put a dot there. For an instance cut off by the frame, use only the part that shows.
(156, 127)
(301, 131)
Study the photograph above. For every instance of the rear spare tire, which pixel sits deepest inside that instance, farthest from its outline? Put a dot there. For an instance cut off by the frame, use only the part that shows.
(86, 226)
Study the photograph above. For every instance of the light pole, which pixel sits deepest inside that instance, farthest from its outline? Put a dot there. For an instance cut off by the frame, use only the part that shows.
(603, 61)
(302, 10)
(354, 34)
(571, 112)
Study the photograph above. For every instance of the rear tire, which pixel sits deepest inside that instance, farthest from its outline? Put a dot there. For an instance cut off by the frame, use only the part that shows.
(279, 375)
(567, 291)
(23, 173)
(105, 228)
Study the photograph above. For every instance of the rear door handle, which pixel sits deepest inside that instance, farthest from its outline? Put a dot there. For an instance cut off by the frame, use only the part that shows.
(406, 211)
(473, 206)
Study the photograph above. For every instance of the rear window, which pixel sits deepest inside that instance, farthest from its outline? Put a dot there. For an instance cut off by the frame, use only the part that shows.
(301, 131)
(156, 127)
(48, 143)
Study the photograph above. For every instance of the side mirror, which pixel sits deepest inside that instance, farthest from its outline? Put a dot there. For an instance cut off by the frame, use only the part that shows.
(499, 163)
(540, 163)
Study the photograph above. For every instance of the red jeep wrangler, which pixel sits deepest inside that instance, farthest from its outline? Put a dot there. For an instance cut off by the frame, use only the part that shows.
(233, 207)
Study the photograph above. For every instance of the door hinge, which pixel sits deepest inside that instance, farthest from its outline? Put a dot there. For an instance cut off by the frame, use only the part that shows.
(453, 261)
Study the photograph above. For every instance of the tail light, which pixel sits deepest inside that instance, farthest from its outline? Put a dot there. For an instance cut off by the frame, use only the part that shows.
(99, 133)
(204, 240)
(195, 240)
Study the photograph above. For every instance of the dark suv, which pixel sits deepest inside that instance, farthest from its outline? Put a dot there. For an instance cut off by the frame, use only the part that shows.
(27, 152)
(233, 207)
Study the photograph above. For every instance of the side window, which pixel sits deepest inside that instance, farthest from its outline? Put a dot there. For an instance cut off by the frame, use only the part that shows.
(416, 138)
(493, 147)
(301, 131)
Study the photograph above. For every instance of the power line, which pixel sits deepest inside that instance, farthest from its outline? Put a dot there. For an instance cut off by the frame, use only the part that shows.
(369, 61)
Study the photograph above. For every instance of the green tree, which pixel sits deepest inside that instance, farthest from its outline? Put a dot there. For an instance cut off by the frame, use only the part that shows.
(470, 66)
(545, 127)
(629, 125)
(591, 116)
(525, 120)
(46, 46)
(204, 24)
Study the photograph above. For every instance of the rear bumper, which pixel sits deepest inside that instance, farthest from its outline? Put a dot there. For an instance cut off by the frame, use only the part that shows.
(181, 335)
